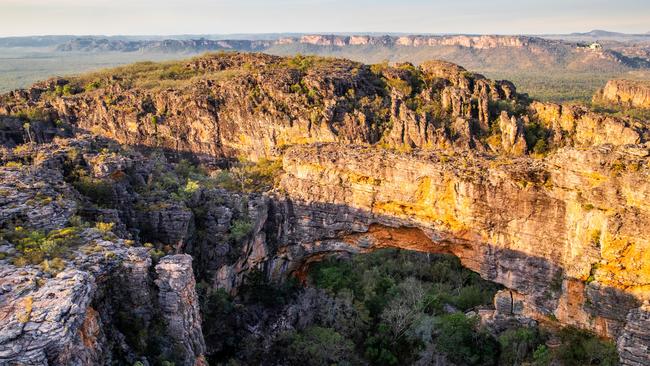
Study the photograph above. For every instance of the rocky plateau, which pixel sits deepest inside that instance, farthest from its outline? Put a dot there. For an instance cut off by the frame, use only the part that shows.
(550, 201)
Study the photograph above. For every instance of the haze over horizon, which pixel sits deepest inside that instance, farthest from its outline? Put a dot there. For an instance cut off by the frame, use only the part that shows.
(173, 17)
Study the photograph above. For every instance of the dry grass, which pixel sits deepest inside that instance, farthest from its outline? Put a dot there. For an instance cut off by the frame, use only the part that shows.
(149, 75)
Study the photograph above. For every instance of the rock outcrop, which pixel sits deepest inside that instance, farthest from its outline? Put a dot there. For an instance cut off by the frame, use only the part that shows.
(625, 93)
(48, 323)
(96, 303)
(512, 135)
(179, 306)
(256, 105)
(563, 232)
(581, 127)
(430, 158)
(633, 346)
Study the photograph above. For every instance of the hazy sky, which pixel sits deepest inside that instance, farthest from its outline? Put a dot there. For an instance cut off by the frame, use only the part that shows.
(27, 17)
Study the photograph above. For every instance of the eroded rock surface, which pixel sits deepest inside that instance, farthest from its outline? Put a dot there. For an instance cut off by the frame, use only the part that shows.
(428, 158)
(537, 227)
(180, 308)
(625, 93)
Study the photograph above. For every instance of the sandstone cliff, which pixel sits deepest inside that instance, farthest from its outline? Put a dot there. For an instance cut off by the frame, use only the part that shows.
(99, 301)
(550, 201)
(255, 105)
(625, 93)
(494, 52)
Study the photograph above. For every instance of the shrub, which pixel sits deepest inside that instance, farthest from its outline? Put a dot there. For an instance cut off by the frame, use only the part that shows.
(184, 193)
(319, 346)
(96, 84)
(300, 62)
(470, 296)
(240, 228)
(104, 227)
(14, 164)
(518, 345)
(35, 246)
(462, 344)
(53, 266)
(583, 348)
(536, 136)
(97, 190)
(256, 177)
(542, 356)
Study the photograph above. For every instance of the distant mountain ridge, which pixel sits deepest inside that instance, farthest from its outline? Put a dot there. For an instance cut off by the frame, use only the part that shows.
(510, 52)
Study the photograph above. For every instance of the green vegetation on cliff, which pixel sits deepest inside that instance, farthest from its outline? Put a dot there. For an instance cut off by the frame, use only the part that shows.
(389, 307)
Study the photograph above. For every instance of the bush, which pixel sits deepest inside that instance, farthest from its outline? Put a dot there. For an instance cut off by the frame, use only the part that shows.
(583, 348)
(260, 176)
(334, 276)
(93, 85)
(97, 190)
(458, 339)
(536, 136)
(319, 346)
(542, 356)
(240, 228)
(469, 297)
(379, 347)
(186, 192)
(104, 227)
(518, 345)
(36, 246)
(301, 63)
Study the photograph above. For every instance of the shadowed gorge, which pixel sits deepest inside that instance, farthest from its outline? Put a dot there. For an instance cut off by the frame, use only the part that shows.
(140, 201)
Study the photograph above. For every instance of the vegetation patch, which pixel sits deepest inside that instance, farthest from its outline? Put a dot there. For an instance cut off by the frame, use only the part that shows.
(40, 247)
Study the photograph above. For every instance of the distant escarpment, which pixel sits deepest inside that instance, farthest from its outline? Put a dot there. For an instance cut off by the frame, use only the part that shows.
(550, 201)
(476, 51)
(625, 93)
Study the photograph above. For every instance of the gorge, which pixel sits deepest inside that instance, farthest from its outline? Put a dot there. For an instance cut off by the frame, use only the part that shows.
(309, 157)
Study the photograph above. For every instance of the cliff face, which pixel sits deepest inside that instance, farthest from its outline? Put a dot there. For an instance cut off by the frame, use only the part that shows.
(256, 105)
(100, 301)
(578, 126)
(486, 52)
(625, 93)
(574, 218)
(550, 201)
(565, 234)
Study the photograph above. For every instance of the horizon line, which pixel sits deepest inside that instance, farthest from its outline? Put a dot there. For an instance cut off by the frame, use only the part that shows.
(342, 33)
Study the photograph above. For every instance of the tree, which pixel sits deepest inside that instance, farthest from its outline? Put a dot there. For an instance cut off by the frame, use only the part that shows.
(404, 309)
(518, 345)
(458, 338)
(27, 128)
(319, 346)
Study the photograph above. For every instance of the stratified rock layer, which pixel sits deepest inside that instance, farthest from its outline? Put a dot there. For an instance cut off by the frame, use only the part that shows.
(567, 233)
(180, 308)
(626, 93)
(428, 158)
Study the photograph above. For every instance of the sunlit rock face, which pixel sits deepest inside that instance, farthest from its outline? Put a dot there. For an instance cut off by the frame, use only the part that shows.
(257, 105)
(567, 232)
(369, 162)
(625, 93)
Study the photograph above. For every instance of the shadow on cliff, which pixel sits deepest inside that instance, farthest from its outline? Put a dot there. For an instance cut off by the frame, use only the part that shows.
(317, 230)
(297, 233)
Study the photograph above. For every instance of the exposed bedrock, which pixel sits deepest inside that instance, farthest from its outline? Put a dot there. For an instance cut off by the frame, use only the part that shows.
(101, 315)
(106, 304)
(625, 93)
(567, 234)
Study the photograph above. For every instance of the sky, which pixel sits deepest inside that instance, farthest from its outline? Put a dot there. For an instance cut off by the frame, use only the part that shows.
(167, 17)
